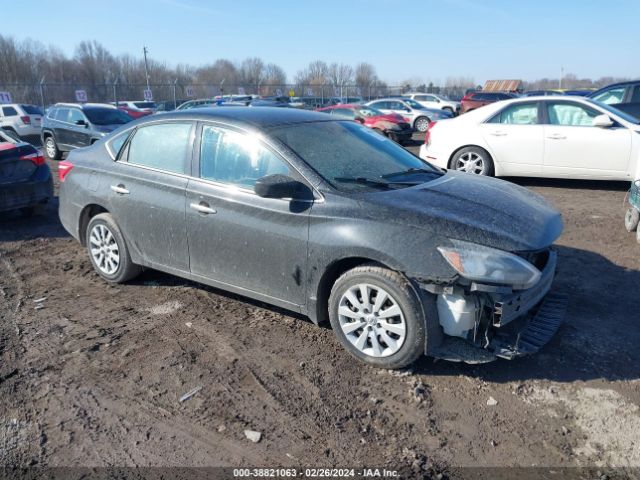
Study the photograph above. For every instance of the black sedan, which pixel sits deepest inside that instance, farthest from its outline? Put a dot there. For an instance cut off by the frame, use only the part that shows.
(327, 218)
(25, 178)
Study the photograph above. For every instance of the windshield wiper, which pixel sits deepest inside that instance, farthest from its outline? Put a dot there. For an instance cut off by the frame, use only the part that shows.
(371, 181)
(410, 171)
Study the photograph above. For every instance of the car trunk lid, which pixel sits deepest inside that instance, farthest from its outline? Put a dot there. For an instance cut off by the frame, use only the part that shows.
(17, 162)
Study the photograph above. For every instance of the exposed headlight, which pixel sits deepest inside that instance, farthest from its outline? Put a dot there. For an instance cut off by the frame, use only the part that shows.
(485, 264)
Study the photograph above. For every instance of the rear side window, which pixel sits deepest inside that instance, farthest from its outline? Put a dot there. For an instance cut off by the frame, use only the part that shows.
(165, 147)
(611, 96)
(62, 114)
(9, 111)
(236, 158)
(31, 109)
(518, 114)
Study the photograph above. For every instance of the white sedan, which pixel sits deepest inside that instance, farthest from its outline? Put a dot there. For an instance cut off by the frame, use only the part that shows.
(560, 137)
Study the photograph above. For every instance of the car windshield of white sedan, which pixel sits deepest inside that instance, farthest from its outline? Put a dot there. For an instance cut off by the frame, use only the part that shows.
(354, 158)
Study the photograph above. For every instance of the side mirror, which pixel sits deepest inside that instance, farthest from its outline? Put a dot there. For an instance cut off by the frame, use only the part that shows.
(602, 121)
(81, 123)
(282, 186)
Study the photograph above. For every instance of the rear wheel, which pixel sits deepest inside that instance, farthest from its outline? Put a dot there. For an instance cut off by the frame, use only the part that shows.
(377, 316)
(474, 160)
(421, 124)
(51, 148)
(108, 251)
(631, 219)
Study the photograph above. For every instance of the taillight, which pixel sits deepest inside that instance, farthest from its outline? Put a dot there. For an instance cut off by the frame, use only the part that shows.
(26, 120)
(36, 158)
(427, 134)
(64, 168)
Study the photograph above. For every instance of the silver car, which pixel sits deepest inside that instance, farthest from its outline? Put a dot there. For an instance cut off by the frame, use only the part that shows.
(417, 115)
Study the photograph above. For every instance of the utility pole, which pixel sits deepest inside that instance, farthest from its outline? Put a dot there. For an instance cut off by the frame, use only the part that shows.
(145, 50)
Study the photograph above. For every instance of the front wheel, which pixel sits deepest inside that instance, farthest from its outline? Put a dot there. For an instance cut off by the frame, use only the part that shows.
(631, 219)
(108, 251)
(474, 160)
(377, 316)
(421, 124)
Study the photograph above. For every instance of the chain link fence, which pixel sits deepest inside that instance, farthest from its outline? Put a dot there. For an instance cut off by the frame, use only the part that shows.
(46, 94)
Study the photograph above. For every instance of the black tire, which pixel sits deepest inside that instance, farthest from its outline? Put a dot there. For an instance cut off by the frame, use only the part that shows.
(468, 154)
(411, 303)
(126, 269)
(421, 124)
(51, 148)
(631, 219)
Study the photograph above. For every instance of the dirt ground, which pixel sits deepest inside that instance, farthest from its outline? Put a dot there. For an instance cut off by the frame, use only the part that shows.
(92, 374)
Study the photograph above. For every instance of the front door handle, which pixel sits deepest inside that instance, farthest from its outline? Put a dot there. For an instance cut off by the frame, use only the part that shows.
(119, 189)
(203, 207)
(498, 134)
(557, 136)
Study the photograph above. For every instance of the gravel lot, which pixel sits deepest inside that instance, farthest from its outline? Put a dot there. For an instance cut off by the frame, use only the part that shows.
(92, 374)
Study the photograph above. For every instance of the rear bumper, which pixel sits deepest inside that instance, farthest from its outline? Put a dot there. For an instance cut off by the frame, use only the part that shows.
(28, 130)
(432, 157)
(25, 194)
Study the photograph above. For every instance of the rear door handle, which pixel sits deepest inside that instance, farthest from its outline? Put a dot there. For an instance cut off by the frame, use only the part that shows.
(498, 134)
(120, 189)
(557, 136)
(203, 207)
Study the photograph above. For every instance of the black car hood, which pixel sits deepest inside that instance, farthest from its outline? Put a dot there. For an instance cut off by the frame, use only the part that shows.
(476, 209)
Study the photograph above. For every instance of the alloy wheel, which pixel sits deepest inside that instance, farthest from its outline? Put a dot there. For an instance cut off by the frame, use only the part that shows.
(470, 162)
(104, 249)
(371, 319)
(51, 147)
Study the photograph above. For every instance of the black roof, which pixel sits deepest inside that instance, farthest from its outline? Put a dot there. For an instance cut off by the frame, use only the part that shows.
(263, 117)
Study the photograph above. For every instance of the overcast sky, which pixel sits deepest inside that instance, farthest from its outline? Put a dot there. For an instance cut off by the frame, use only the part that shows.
(409, 39)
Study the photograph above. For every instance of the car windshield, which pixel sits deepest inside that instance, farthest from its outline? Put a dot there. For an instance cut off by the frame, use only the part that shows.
(412, 103)
(106, 116)
(354, 158)
(369, 111)
(32, 110)
(615, 111)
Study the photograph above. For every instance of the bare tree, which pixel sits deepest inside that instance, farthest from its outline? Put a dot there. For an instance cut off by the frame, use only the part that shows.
(251, 71)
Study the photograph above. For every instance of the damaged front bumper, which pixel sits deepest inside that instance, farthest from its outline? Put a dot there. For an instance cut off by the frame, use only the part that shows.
(484, 322)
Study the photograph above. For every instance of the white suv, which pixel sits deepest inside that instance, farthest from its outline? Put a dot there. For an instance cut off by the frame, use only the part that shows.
(22, 119)
(431, 100)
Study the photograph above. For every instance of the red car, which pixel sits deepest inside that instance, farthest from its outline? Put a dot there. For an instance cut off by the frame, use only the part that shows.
(392, 125)
(474, 100)
(134, 113)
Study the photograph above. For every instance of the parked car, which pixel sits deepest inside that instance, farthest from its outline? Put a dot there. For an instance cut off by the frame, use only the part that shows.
(417, 115)
(541, 93)
(25, 178)
(71, 125)
(563, 137)
(624, 96)
(139, 108)
(474, 100)
(199, 101)
(391, 125)
(287, 206)
(168, 105)
(432, 100)
(23, 119)
(135, 113)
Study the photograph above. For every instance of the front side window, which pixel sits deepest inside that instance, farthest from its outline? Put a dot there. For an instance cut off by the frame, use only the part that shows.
(75, 116)
(164, 146)
(235, 158)
(412, 103)
(518, 114)
(611, 96)
(344, 113)
(571, 115)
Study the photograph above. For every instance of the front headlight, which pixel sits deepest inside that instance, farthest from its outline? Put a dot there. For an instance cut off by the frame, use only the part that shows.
(485, 264)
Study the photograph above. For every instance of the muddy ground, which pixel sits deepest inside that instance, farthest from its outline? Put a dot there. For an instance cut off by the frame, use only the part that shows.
(92, 375)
